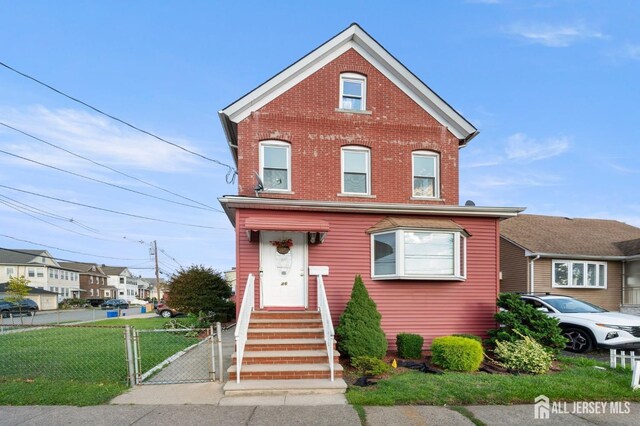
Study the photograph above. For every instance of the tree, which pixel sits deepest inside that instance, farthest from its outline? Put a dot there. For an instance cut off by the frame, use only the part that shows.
(359, 329)
(198, 289)
(17, 289)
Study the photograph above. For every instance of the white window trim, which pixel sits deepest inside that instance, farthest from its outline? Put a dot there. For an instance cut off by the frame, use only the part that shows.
(353, 77)
(570, 274)
(459, 246)
(436, 183)
(368, 171)
(276, 144)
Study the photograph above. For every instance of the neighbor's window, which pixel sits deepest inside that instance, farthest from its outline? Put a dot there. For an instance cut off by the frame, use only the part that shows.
(579, 274)
(426, 174)
(416, 254)
(9, 271)
(31, 272)
(356, 174)
(275, 165)
(40, 273)
(353, 90)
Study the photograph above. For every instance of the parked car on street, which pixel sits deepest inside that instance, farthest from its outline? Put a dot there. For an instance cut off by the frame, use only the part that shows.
(586, 325)
(165, 311)
(24, 307)
(115, 304)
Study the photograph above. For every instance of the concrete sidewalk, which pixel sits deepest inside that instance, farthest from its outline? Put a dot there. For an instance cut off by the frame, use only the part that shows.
(258, 414)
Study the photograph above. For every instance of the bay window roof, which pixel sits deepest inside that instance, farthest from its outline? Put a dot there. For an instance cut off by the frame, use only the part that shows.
(394, 222)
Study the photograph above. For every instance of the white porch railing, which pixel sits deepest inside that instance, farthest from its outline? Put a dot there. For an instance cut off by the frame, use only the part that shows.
(327, 325)
(242, 326)
(624, 357)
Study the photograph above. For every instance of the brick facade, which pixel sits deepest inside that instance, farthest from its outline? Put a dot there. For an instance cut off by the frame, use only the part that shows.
(306, 117)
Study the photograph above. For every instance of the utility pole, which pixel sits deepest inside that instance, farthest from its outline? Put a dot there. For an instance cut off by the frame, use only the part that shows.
(155, 252)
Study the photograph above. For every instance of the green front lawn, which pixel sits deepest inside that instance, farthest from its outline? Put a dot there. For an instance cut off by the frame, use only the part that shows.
(77, 365)
(578, 381)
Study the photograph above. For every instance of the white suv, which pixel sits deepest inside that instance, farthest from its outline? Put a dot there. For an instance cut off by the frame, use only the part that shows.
(588, 326)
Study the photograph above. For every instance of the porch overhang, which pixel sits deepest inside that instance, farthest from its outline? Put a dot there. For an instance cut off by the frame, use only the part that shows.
(316, 228)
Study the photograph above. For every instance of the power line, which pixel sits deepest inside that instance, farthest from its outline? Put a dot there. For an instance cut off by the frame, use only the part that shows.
(105, 166)
(109, 210)
(101, 181)
(51, 257)
(231, 173)
(170, 257)
(19, 209)
(48, 214)
(68, 251)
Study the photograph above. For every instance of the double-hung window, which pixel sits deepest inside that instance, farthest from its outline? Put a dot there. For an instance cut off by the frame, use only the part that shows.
(579, 274)
(353, 92)
(31, 272)
(356, 175)
(419, 254)
(275, 165)
(426, 180)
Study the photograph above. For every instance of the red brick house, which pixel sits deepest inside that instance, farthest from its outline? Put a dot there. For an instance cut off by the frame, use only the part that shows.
(351, 162)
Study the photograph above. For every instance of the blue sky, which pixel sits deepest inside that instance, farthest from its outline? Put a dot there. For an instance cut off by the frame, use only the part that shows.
(553, 87)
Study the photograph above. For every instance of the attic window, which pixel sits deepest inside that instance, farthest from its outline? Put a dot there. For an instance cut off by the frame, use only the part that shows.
(353, 91)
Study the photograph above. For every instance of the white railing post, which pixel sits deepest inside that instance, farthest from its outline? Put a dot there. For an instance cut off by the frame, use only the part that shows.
(327, 324)
(242, 326)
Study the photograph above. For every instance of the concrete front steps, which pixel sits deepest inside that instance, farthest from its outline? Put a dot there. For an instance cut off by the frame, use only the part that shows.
(285, 352)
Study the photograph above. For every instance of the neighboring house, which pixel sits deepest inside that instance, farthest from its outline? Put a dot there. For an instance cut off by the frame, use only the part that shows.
(123, 281)
(155, 289)
(93, 281)
(358, 162)
(42, 271)
(230, 278)
(46, 300)
(594, 260)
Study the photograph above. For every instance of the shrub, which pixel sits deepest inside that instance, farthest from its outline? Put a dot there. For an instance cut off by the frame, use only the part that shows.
(469, 336)
(369, 366)
(456, 353)
(525, 355)
(409, 345)
(359, 329)
(520, 319)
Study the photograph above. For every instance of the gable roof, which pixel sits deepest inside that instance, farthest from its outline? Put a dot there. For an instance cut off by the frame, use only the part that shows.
(113, 270)
(571, 236)
(21, 256)
(82, 267)
(353, 37)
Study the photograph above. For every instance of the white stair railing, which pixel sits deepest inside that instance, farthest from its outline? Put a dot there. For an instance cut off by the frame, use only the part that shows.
(327, 324)
(242, 326)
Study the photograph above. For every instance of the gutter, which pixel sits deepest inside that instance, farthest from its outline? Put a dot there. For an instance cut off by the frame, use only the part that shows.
(579, 256)
(532, 274)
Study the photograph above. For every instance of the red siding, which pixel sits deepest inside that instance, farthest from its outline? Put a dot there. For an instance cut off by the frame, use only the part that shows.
(428, 308)
(306, 117)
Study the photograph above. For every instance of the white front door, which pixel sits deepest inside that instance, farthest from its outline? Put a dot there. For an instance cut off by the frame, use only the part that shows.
(283, 277)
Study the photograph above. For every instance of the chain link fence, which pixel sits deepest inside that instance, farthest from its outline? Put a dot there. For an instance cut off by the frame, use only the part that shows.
(107, 354)
(58, 352)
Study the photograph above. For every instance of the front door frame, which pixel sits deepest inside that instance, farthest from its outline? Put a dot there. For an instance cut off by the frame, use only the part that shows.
(305, 263)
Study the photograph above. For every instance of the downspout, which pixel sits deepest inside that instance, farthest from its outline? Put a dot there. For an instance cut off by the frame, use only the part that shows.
(624, 282)
(532, 274)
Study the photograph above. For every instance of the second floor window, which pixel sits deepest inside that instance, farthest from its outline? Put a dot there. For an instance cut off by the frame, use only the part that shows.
(353, 90)
(355, 170)
(426, 181)
(275, 165)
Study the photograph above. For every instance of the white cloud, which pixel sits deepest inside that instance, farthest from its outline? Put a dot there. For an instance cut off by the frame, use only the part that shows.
(520, 147)
(553, 36)
(89, 135)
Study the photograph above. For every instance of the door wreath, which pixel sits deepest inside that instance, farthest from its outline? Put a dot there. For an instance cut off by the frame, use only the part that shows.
(282, 246)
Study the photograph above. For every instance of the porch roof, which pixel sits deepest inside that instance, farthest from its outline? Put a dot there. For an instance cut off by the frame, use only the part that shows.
(276, 223)
(391, 222)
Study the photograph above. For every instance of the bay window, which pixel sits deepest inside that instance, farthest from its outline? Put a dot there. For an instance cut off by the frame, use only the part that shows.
(419, 254)
(579, 274)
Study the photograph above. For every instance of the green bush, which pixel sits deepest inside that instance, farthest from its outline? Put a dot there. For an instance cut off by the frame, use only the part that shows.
(469, 336)
(409, 345)
(369, 366)
(456, 353)
(359, 330)
(520, 319)
(525, 355)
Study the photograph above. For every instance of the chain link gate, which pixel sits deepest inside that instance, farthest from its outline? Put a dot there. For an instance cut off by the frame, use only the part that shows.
(174, 355)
